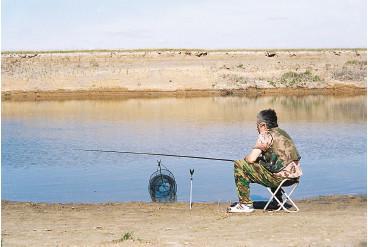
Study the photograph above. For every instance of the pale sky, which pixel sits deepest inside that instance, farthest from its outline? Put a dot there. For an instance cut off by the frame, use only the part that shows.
(120, 24)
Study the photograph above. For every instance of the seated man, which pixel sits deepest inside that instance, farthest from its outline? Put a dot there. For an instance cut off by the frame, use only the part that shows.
(273, 159)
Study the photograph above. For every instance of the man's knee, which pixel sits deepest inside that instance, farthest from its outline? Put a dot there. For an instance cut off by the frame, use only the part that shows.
(237, 164)
(242, 164)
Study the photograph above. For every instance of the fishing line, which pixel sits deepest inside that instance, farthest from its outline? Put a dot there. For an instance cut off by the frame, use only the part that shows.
(156, 154)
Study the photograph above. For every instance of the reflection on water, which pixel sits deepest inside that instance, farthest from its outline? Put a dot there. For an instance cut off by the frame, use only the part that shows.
(40, 163)
(201, 110)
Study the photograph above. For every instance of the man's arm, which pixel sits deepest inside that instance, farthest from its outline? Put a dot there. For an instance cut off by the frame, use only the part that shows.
(253, 155)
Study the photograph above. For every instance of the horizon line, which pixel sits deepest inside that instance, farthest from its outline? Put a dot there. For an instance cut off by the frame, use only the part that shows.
(175, 49)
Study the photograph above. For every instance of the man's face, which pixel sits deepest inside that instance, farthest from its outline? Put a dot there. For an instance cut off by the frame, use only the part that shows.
(257, 124)
(259, 121)
(261, 127)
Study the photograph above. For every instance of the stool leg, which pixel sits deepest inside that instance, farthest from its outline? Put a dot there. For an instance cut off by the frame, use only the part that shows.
(292, 202)
(273, 195)
(289, 199)
(269, 201)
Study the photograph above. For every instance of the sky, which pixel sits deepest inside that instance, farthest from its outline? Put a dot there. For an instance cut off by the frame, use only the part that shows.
(120, 24)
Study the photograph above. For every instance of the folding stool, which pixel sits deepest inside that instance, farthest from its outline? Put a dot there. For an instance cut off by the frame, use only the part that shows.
(292, 184)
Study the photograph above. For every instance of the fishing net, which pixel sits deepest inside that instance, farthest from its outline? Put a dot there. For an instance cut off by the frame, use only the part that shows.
(162, 185)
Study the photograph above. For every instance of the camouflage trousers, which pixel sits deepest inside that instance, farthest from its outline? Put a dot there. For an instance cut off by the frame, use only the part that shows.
(246, 173)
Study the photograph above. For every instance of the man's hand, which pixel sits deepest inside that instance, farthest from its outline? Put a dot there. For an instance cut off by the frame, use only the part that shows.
(253, 155)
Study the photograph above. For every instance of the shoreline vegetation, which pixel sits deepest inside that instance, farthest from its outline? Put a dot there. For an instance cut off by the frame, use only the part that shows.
(338, 220)
(110, 74)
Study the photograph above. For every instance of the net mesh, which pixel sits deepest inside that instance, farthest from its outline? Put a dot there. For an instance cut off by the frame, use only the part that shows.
(162, 185)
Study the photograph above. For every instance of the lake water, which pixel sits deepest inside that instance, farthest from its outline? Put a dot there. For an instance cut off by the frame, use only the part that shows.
(40, 163)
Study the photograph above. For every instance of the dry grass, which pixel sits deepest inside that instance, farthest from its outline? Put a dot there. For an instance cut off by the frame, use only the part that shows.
(353, 70)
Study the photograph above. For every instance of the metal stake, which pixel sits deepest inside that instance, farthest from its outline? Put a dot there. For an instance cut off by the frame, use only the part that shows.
(191, 171)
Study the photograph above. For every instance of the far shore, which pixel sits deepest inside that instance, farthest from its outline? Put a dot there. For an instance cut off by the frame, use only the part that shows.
(322, 221)
(115, 74)
(111, 94)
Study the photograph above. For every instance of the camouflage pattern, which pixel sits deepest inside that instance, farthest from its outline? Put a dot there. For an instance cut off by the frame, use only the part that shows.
(278, 155)
(246, 173)
(282, 150)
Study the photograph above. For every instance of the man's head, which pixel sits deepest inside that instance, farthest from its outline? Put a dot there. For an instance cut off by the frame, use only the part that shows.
(268, 118)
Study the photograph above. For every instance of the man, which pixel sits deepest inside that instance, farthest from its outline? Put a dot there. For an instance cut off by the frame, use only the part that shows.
(272, 159)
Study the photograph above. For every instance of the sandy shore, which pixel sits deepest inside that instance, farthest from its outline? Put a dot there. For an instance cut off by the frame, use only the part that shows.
(121, 94)
(324, 221)
(147, 73)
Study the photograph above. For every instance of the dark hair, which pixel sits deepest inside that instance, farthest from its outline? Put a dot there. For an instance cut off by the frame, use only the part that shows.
(269, 117)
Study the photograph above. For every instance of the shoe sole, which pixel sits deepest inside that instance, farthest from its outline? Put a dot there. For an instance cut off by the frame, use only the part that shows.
(230, 211)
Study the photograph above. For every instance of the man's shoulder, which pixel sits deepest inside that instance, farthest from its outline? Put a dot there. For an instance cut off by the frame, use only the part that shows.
(279, 131)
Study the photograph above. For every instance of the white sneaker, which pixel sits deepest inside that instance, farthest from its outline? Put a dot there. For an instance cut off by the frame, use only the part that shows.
(240, 208)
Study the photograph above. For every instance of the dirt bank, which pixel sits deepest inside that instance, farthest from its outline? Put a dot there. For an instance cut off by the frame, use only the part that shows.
(181, 73)
(325, 221)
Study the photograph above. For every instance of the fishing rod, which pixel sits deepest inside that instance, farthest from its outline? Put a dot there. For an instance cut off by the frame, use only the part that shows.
(155, 154)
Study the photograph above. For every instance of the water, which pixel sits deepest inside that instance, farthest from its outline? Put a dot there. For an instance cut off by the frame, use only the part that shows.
(40, 163)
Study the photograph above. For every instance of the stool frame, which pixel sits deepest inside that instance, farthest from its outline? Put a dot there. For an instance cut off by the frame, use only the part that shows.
(293, 184)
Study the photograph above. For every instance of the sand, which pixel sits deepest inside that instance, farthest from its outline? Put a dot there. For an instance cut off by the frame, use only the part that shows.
(323, 221)
(147, 73)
